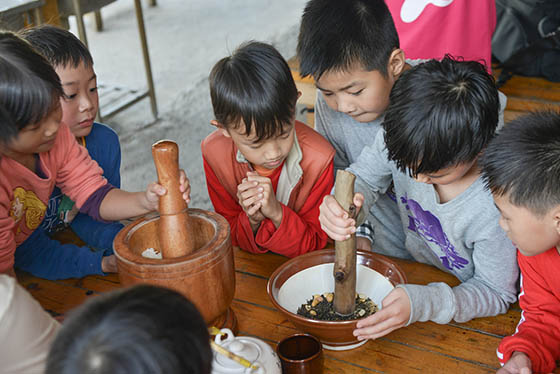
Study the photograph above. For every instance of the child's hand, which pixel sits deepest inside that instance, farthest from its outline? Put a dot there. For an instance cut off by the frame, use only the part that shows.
(335, 221)
(270, 207)
(155, 190)
(519, 363)
(394, 314)
(247, 196)
(109, 264)
(185, 186)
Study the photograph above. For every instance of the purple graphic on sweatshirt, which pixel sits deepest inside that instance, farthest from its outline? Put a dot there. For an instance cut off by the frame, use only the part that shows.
(425, 224)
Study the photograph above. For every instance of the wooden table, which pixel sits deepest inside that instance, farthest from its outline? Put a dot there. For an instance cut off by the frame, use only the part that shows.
(422, 347)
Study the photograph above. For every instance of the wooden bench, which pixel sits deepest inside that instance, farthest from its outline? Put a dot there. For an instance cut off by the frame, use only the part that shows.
(524, 93)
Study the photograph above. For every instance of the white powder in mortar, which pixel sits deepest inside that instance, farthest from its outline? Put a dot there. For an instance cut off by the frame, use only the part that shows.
(151, 253)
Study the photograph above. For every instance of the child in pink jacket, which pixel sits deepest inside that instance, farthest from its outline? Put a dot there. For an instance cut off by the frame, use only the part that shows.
(37, 153)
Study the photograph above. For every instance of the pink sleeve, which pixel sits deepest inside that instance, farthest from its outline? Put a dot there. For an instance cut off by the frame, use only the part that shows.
(538, 331)
(79, 176)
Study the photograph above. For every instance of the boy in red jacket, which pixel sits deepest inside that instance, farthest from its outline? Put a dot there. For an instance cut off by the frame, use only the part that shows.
(266, 172)
(522, 169)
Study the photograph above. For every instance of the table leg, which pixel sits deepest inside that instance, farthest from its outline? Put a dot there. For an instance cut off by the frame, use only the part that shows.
(80, 21)
(146, 55)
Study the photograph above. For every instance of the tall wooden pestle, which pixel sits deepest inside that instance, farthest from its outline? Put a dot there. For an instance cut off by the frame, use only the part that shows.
(344, 270)
(176, 236)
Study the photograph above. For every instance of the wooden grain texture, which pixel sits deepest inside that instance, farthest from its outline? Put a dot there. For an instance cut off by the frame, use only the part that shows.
(344, 270)
(176, 234)
(420, 348)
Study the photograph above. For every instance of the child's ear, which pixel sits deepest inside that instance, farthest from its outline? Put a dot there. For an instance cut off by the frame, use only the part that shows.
(221, 128)
(556, 217)
(396, 62)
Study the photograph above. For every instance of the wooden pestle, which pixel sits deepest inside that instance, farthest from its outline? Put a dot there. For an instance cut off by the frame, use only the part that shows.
(344, 270)
(176, 236)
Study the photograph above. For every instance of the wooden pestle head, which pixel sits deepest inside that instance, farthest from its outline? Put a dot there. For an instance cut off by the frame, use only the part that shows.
(175, 231)
(166, 159)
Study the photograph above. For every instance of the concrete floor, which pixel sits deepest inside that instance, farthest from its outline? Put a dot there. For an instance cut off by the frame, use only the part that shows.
(185, 39)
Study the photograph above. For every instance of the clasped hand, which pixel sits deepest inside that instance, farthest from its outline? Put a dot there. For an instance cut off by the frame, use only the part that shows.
(258, 200)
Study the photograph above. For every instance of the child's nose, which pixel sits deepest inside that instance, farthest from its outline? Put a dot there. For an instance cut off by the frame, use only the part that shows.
(86, 103)
(274, 151)
(52, 128)
(345, 106)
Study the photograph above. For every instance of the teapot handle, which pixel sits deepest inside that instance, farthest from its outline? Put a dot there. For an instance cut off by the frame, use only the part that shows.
(219, 338)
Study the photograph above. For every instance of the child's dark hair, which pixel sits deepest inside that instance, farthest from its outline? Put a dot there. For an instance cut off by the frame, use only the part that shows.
(59, 46)
(254, 86)
(441, 114)
(336, 35)
(29, 87)
(523, 162)
(142, 330)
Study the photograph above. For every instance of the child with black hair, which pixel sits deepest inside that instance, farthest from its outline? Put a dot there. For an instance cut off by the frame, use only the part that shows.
(266, 172)
(39, 254)
(440, 118)
(28, 328)
(351, 49)
(139, 330)
(522, 170)
(41, 153)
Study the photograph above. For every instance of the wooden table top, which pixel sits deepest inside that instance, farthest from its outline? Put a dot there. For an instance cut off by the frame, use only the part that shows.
(422, 347)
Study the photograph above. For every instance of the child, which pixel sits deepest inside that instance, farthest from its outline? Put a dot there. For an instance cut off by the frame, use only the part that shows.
(441, 117)
(39, 254)
(23, 323)
(351, 49)
(43, 153)
(141, 330)
(521, 167)
(266, 173)
(26, 330)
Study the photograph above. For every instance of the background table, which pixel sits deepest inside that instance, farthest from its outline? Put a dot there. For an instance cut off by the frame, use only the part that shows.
(422, 347)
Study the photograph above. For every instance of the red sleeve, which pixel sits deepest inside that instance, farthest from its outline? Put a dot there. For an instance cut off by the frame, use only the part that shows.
(538, 331)
(227, 205)
(299, 232)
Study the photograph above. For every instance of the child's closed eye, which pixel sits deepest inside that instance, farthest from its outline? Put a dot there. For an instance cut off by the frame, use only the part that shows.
(69, 96)
(93, 89)
(357, 92)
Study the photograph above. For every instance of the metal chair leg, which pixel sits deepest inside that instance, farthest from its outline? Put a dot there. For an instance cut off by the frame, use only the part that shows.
(146, 55)
(80, 21)
(98, 20)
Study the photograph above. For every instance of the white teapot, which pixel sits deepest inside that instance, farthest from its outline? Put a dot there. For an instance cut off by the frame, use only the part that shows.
(254, 350)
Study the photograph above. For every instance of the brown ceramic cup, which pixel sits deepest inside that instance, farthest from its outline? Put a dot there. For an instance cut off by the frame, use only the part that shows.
(300, 354)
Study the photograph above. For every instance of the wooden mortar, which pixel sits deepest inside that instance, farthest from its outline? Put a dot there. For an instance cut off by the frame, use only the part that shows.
(196, 246)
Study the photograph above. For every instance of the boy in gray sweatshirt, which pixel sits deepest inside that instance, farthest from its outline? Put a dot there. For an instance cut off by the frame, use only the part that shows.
(441, 116)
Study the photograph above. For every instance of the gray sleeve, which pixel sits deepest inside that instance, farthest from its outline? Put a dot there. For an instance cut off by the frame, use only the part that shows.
(490, 290)
(373, 174)
(327, 125)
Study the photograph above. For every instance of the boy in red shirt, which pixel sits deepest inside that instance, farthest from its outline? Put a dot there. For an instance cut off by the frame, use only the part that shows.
(266, 172)
(522, 169)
